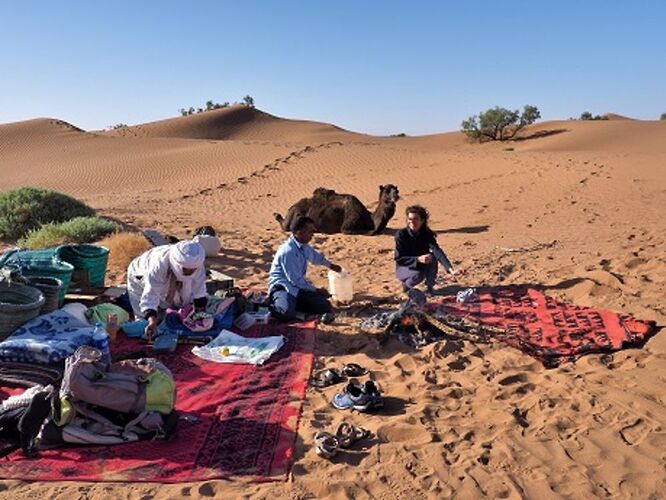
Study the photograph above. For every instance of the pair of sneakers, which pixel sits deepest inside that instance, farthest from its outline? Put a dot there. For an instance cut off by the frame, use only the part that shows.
(358, 396)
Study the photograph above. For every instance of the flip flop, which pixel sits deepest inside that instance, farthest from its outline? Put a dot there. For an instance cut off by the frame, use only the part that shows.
(353, 370)
(326, 444)
(348, 434)
(327, 377)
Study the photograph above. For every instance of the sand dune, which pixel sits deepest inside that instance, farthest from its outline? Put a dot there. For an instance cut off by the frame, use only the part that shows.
(236, 122)
(596, 428)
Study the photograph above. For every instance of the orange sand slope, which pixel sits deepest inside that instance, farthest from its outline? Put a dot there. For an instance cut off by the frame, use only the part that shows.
(596, 428)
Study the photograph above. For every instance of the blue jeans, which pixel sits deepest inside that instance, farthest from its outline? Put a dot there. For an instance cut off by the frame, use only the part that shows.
(284, 306)
(412, 277)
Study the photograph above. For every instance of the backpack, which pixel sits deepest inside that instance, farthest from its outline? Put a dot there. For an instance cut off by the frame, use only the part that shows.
(128, 386)
(116, 403)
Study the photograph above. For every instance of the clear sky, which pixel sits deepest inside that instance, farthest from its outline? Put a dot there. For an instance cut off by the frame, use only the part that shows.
(379, 67)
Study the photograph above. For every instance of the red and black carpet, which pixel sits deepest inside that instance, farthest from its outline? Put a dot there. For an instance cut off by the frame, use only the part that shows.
(548, 330)
(240, 422)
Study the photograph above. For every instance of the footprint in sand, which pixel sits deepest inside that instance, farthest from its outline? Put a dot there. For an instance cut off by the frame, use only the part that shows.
(513, 379)
(635, 433)
(459, 364)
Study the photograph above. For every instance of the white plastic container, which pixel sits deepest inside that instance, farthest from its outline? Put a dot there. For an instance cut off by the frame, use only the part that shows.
(340, 285)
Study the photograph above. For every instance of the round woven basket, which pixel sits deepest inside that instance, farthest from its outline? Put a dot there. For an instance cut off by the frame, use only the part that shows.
(51, 288)
(18, 305)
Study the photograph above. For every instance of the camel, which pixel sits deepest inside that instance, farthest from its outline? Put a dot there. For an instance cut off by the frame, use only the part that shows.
(343, 213)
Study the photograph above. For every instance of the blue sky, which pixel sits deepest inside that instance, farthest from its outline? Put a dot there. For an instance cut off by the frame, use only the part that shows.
(378, 67)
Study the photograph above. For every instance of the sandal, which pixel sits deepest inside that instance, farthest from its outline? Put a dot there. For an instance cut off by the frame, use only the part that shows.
(348, 434)
(353, 370)
(327, 377)
(326, 444)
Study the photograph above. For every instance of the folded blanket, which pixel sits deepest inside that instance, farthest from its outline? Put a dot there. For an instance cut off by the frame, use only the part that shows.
(50, 338)
(228, 347)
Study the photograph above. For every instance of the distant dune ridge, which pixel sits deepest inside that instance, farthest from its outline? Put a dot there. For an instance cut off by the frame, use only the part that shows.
(596, 188)
(236, 122)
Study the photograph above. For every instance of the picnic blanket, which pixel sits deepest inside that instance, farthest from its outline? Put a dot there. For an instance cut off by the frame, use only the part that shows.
(50, 338)
(236, 421)
(548, 330)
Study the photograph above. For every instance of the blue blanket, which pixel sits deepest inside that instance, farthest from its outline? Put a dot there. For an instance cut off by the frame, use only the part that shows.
(50, 338)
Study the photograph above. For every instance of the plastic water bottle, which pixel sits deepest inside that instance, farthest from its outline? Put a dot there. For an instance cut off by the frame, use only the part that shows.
(100, 338)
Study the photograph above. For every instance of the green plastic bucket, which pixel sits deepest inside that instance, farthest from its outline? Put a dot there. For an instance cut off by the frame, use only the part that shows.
(89, 259)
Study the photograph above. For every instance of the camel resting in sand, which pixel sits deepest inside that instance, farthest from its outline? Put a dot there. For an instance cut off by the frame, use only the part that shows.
(343, 213)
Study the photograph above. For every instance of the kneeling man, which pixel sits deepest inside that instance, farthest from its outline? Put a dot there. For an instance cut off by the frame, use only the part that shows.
(290, 291)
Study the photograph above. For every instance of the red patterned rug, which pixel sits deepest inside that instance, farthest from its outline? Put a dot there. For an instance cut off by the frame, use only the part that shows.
(241, 422)
(548, 330)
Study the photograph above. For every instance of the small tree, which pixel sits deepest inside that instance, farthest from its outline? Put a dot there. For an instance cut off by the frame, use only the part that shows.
(663, 116)
(117, 126)
(248, 101)
(499, 124)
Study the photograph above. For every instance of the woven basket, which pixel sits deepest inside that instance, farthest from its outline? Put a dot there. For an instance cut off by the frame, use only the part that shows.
(51, 288)
(18, 305)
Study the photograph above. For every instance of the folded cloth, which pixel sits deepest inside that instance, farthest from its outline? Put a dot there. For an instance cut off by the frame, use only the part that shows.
(100, 313)
(228, 347)
(177, 322)
(50, 338)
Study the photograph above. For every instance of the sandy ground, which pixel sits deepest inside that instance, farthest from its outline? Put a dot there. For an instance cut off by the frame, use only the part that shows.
(596, 427)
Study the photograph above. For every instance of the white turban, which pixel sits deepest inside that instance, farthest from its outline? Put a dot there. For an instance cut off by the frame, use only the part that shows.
(186, 254)
(190, 255)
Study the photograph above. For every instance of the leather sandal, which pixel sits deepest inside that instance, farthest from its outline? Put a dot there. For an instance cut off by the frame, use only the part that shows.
(348, 434)
(326, 444)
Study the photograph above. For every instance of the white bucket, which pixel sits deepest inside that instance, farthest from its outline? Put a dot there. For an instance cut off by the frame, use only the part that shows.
(340, 285)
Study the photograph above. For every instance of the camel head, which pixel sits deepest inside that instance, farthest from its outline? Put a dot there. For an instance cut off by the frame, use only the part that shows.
(388, 193)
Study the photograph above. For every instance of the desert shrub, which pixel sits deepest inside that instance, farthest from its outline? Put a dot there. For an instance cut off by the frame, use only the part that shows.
(663, 116)
(248, 101)
(210, 106)
(586, 115)
(123, 247)
(74, 231)
(27, 208)
(117, 126)
(498, 124)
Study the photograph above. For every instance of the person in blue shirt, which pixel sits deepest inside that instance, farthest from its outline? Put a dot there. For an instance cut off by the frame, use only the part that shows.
(417, 252)
(289, 290)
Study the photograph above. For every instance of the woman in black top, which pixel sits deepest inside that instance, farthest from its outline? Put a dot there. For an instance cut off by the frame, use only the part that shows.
(417, 251)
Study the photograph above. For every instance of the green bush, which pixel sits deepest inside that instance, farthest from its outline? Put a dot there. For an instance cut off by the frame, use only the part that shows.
(75, 231)
(586, 115)
(27, 208)
(498, 124)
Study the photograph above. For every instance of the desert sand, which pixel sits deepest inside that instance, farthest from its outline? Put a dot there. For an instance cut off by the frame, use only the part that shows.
(597, 188)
